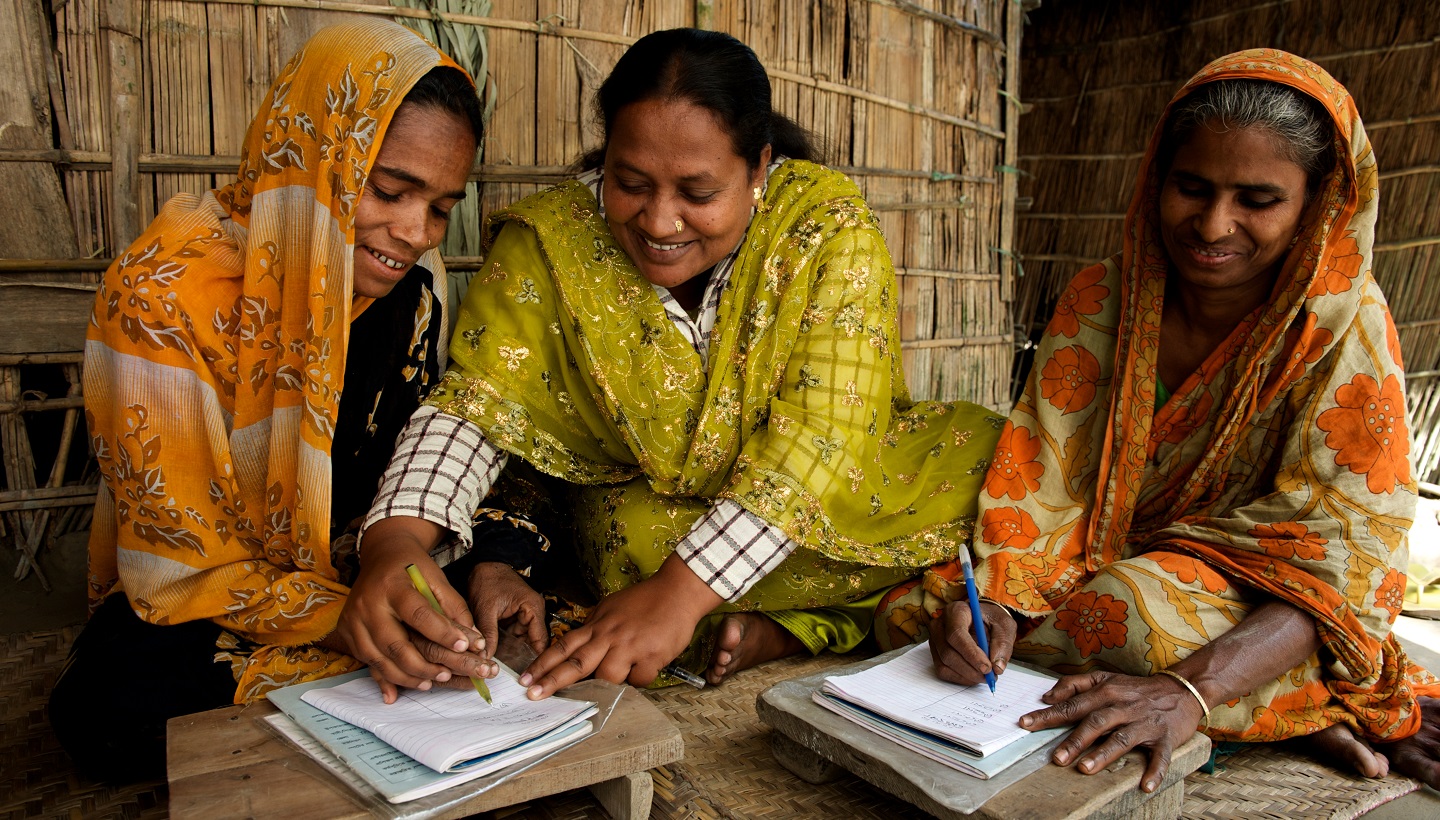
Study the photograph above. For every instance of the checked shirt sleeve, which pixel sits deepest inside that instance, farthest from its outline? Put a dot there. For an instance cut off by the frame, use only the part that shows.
(442, 468)
(731, 548)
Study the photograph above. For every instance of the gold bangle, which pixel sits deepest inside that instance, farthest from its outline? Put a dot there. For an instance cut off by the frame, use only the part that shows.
(1204, 721)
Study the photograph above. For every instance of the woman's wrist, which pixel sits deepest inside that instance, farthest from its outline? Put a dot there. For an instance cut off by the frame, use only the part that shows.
(687, 591)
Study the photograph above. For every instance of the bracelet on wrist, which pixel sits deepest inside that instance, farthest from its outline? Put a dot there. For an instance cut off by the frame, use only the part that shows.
(1204, 707)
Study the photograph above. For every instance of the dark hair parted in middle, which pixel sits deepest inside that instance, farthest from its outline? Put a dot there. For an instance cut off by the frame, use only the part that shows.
(448, 89)
(713, 71)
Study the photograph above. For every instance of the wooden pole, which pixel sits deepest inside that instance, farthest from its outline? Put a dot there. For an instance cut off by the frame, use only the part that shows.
(1014, 22)
(122, 32)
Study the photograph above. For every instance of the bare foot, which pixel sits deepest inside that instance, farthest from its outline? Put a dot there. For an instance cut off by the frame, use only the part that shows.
(1340, 746)
(1418, 756)
(747, 639)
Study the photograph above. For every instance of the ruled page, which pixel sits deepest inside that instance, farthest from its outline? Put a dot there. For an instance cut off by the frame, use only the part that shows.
(442, 727)
(908, 691)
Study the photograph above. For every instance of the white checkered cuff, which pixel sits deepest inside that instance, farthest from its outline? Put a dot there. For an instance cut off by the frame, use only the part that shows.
(731, 549)
(441, 469)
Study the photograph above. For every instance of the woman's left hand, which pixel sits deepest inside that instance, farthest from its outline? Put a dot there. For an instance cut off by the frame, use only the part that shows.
(630, 636)
(1116, 713)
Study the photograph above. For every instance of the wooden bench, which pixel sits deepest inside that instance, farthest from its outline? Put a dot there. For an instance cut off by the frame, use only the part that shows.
(225, 764)
(818, 745)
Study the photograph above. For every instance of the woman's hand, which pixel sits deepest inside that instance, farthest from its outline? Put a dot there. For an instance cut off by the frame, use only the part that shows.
(384, 607)
(630, 636)
(498, 593)
(957, 656)
(1117, 713)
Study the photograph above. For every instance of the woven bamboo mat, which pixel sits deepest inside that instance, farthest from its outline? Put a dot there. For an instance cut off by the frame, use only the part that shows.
(1273, 781)
(36, 778)
(728, 771)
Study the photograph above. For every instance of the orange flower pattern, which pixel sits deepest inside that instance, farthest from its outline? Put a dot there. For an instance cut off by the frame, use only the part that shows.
(1084, 297)
(1094, 622)
(1280, 467)
(1190, 571)
(1289, 539)
(1391, 594)
(1368, 433)
(1014, 472)
(1341, 268)
(1069, 380)
(1010, 526)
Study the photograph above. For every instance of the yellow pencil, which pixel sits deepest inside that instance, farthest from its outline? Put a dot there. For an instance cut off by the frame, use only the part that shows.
(424, 589)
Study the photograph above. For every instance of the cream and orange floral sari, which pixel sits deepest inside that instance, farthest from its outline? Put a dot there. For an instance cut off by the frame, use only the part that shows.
(1133, 535)
(216, 360)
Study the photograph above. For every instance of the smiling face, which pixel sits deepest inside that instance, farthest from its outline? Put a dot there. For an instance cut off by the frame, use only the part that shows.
(1230, 207)
(669, 161)
(419, 175)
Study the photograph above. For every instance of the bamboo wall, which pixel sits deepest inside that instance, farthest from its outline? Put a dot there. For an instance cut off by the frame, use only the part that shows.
(153, 97)
(1098, 76)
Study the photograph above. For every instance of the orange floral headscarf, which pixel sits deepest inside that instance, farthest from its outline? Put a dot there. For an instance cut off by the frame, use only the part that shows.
(216, 359)
(1282, 463)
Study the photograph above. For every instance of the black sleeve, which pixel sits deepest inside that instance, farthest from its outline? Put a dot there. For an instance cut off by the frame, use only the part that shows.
(500, 537)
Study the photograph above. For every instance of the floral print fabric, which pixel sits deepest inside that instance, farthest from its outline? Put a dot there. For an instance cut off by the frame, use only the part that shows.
(1279, 470)
(215, 362)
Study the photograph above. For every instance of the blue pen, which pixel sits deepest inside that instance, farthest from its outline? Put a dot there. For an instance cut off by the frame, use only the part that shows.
(973, 591)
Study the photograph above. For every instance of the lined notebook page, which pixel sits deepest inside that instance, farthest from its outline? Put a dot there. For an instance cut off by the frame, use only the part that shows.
(908, 691)
(443, 727)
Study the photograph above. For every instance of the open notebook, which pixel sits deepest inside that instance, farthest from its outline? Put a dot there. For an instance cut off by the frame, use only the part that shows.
(426, 741)
(965, 727)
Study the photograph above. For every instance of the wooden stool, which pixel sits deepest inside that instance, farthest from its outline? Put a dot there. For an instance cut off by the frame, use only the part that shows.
(818, 745)
(223, 763)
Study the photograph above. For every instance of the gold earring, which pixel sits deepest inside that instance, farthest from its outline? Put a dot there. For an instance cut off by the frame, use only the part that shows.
(679, 225)
(757, 192)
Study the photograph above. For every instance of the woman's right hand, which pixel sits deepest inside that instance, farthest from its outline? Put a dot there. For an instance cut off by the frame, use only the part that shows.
(389, 626)
(957, 656)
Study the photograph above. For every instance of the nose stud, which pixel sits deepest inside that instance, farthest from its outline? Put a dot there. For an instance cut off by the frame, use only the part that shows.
(679, 225)
(1232, 230)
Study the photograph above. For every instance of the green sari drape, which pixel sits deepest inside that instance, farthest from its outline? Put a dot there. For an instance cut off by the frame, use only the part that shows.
(565, 357)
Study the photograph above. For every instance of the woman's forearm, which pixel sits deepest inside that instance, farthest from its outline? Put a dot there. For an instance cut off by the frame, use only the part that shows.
(1273, 638)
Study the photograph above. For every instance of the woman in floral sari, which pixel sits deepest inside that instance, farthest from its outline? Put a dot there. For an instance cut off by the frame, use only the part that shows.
(698, 337)
(1198, 510)
(219, 348)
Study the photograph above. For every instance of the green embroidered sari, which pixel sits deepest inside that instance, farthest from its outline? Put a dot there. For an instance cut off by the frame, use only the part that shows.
(565, 357)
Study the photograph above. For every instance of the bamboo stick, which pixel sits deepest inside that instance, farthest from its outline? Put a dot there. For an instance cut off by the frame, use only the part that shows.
(17, 359)
(72, 495)
(38, 265)
(19, 474)
(32, 405)
(1009, 190)
(122, 28)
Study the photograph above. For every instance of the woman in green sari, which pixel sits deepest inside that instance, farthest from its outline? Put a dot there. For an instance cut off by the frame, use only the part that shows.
(699, 338)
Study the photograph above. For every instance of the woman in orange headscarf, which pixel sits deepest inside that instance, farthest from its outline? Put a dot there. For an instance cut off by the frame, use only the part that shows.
(1198, 509)
(222, 342)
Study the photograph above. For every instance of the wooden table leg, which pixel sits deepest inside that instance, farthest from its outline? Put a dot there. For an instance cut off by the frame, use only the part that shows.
(627, 797)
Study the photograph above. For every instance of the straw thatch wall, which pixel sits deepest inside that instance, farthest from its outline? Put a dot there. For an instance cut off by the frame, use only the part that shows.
(1098, 75)
(907, 95)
